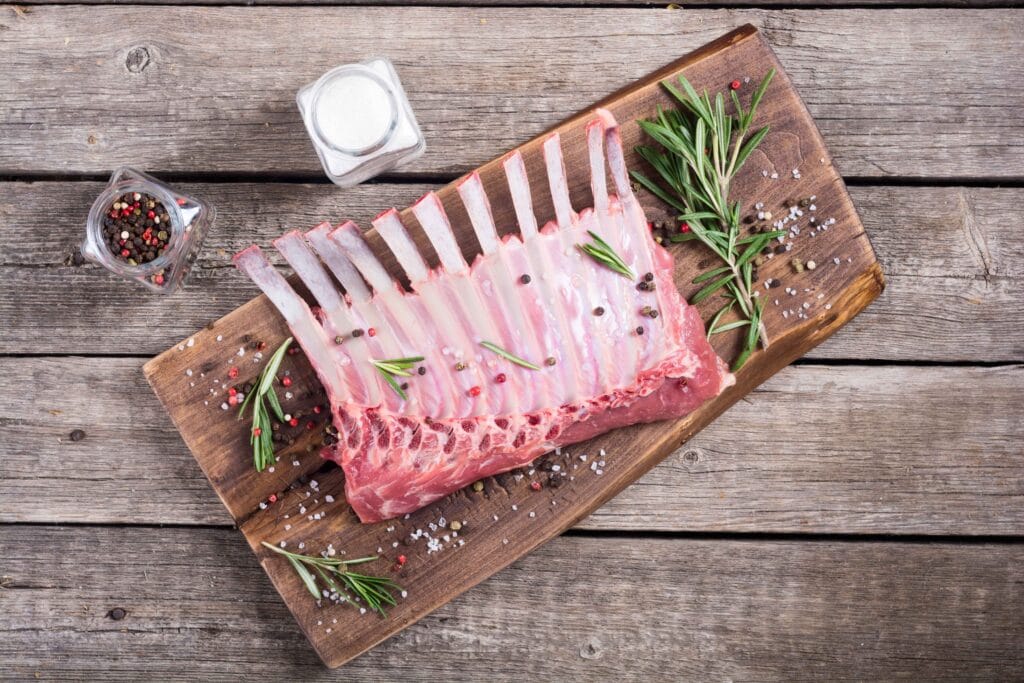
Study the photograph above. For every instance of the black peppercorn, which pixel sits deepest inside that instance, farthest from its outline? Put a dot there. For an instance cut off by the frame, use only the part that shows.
(357, 333)
(421, 370)
(599, 311)
(639, 330)
(77, 435)
(525, 279)
(648, 277)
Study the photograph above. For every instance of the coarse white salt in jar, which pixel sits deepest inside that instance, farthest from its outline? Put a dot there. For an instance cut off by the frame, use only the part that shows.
(360, 121)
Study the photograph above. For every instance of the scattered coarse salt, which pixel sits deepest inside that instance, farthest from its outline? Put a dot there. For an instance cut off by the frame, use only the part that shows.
(330, 499)
(191, 342)
(220, 337)
(263, 506)
(288, 395)
(362, 610)
(828, 307)
(328, 630)
(302, 509)
(287, 527)
(405, 594)
(394, 544)
(379, 550)
(283, 544)
(295, 463)
(223, 406)
(836, 260)
(515, 508)
(775, 176)
(599, 472)
(533, 514)
(270, 469)
(301, 546)
(494, 517)
(504, 541)
(602, 453)
(188, 372)
(241, 351)
(583, 457)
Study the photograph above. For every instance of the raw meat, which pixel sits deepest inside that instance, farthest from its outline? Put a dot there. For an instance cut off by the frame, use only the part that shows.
(474, 413)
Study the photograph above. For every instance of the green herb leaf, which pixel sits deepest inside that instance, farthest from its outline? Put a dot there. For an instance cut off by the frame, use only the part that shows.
(508, 356)
(262, 442)
(602, 252)
(396, 367)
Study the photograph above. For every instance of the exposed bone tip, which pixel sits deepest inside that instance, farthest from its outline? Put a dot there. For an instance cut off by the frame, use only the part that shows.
(607, 118)
(249, 250)
(384, 213)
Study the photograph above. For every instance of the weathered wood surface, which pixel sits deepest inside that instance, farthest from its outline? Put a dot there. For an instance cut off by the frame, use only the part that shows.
(199, 608)
(893, 93)
(831, 295)
(649, 4)
(953, 262)
(850, 449)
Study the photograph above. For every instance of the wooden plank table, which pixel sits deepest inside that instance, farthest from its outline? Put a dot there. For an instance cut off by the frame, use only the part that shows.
(859, 516)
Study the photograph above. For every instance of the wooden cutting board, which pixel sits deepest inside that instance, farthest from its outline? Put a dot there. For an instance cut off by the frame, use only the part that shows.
(508, 518)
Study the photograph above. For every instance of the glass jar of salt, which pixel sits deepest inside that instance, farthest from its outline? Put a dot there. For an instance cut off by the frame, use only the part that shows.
(360, 121)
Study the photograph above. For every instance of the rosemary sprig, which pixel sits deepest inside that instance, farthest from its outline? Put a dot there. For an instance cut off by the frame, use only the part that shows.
(602, 252)
(396, 367)
(261, 436)
(701, 149)
(373, 591)
(508, 356)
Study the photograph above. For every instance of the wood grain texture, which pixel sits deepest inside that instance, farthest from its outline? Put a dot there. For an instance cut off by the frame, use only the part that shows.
(850, 449)
(714, 609)
(894, 95)
(649, 4)
(952, 257)
(837, 292)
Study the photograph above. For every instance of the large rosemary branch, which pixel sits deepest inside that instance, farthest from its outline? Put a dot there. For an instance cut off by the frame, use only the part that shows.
(338, 580)
(701, 149)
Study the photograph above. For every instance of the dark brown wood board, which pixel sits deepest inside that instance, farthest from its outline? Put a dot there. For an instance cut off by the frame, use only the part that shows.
(507, 519)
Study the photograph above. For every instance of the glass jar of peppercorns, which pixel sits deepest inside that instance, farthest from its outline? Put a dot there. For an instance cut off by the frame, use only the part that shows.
(144, 230)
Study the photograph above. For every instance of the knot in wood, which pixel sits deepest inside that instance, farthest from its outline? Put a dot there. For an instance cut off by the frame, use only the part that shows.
(691, 456)
(137, 59)
(591, 649)
(118, 613)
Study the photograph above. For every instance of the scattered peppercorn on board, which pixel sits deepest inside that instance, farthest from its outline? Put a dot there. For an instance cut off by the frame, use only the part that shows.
(826, 278)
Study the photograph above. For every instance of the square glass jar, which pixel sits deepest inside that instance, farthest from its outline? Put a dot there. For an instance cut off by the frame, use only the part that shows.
(360, 121)
(189, 221)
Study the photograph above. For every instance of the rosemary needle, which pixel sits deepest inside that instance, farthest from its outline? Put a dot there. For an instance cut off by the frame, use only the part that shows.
(700, 151)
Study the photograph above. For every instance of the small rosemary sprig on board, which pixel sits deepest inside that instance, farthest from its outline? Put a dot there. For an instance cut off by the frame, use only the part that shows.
(701, 150)
(602, 252)
(373, 591)
(261, 436)
(396, 367)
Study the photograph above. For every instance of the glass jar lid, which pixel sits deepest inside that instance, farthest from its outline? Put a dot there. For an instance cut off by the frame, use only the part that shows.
(354, 110)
